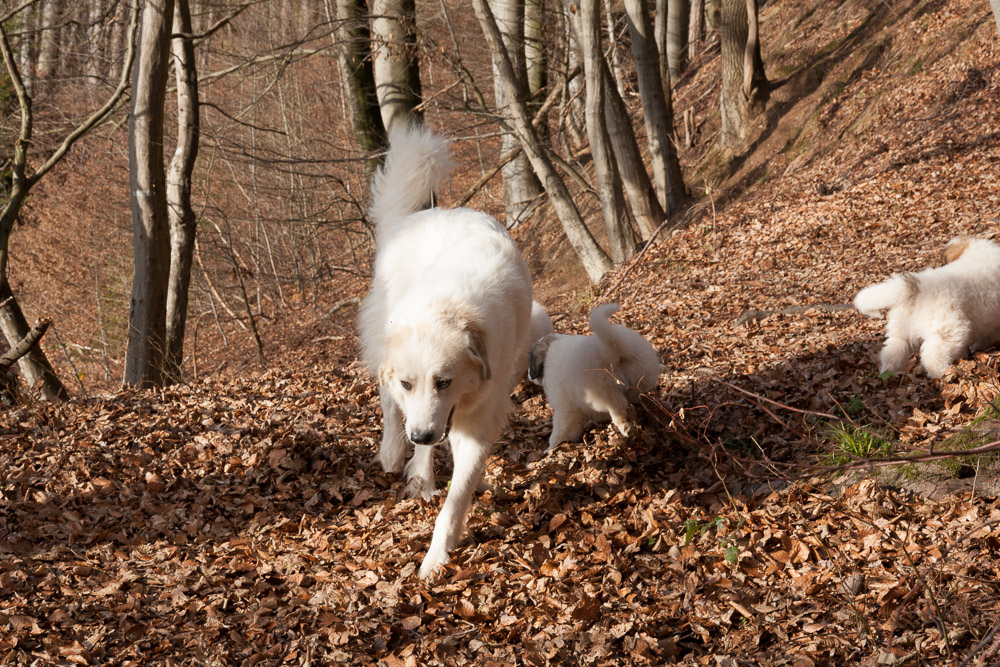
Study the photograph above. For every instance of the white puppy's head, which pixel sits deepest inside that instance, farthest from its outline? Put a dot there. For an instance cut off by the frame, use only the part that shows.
(536, 360)
(429, 368)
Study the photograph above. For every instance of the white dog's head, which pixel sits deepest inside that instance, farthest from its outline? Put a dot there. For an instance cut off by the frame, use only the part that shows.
(429, 368)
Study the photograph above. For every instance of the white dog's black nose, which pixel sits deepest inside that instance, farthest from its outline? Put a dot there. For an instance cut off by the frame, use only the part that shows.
(422, 437)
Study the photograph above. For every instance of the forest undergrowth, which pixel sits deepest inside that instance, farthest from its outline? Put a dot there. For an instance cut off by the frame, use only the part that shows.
(241, 519)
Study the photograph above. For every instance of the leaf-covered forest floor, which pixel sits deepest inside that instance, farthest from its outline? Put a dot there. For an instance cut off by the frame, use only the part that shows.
(242, 520)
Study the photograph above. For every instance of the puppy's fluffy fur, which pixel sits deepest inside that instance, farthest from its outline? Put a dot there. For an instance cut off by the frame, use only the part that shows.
(445, 327)
(944, 312)
(593, 378)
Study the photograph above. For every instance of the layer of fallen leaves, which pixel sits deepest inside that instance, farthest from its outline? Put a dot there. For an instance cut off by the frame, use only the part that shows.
(247, 523)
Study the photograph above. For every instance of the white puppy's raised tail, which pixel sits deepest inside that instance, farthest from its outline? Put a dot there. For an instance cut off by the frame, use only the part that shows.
(895, 291)
(417, 163)
(637, 360)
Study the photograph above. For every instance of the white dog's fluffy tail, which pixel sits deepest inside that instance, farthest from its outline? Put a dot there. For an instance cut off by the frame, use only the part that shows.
(417, 163)
(893, 292)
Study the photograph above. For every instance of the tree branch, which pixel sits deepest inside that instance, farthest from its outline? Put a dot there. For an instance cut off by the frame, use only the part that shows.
(29, 341)
(99, 115)
(17, 10)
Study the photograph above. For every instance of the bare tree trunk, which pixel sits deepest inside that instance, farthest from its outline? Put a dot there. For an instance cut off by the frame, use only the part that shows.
(397, 68)
(733, 105)
(520, 185)
(28, 50)
(573, 111)
(995, 5)
(660, 34)
(48, 47)
(595, 261)
(657, 110)
(736, 106)
(754, 80)
(696, 29)
(180, 214)
(621, 239)
(535, 52)
(358, 77)
(35, 366)
(146, 353)
(639, 189)
(96, 39)
(642, 198)
(677, 29)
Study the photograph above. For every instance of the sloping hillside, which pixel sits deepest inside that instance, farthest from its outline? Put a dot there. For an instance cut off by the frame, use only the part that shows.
(243, 520)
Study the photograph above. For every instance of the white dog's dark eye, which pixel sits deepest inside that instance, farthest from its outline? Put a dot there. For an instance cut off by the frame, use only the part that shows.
(405, 385)
(441, 385)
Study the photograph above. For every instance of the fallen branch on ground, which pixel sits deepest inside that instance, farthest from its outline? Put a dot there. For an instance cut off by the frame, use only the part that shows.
(757, 315)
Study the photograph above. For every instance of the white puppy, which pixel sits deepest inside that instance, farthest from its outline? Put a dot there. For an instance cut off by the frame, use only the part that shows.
(593, 378)
(944, 311)
(445, 327)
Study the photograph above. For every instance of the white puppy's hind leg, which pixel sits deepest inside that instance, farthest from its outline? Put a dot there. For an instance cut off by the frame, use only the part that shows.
(616, 404)
(470, 460)
(392, 452)
(420, 482)
(895, 354)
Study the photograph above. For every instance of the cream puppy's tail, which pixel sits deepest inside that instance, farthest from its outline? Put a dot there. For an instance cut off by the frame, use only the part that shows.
(893, 292)
(604, 329)
(416, 164)
(638, 364)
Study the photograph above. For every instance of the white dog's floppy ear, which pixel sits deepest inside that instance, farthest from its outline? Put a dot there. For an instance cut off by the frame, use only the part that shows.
(477, 349)
(384, 374)
(956, 247)
(536, 359)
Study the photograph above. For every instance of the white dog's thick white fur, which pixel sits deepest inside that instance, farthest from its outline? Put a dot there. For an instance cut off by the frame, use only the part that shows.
(590, 379)
(944, 312)
(445, 327)
(541, 323)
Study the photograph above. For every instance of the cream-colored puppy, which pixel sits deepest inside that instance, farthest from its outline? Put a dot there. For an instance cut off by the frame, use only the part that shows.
(590, 379)
(945, 312)
(445, 328)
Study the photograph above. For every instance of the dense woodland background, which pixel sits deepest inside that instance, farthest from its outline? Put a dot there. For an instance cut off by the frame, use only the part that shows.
(784, 504)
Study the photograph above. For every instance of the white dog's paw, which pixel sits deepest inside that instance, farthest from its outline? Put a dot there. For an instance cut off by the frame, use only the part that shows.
(420, 487)
(435, 558)
(624, 427)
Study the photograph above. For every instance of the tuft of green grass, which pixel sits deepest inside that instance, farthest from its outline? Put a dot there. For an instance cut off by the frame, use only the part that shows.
(855, 442)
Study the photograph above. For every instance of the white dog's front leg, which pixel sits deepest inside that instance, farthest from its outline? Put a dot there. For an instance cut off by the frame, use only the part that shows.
(895, 354)
(470, 460)
(392, 453)
(420, 481)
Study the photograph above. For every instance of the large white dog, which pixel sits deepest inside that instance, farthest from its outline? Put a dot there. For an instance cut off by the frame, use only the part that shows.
(944, 311)
(590, 379)
(445, 327)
